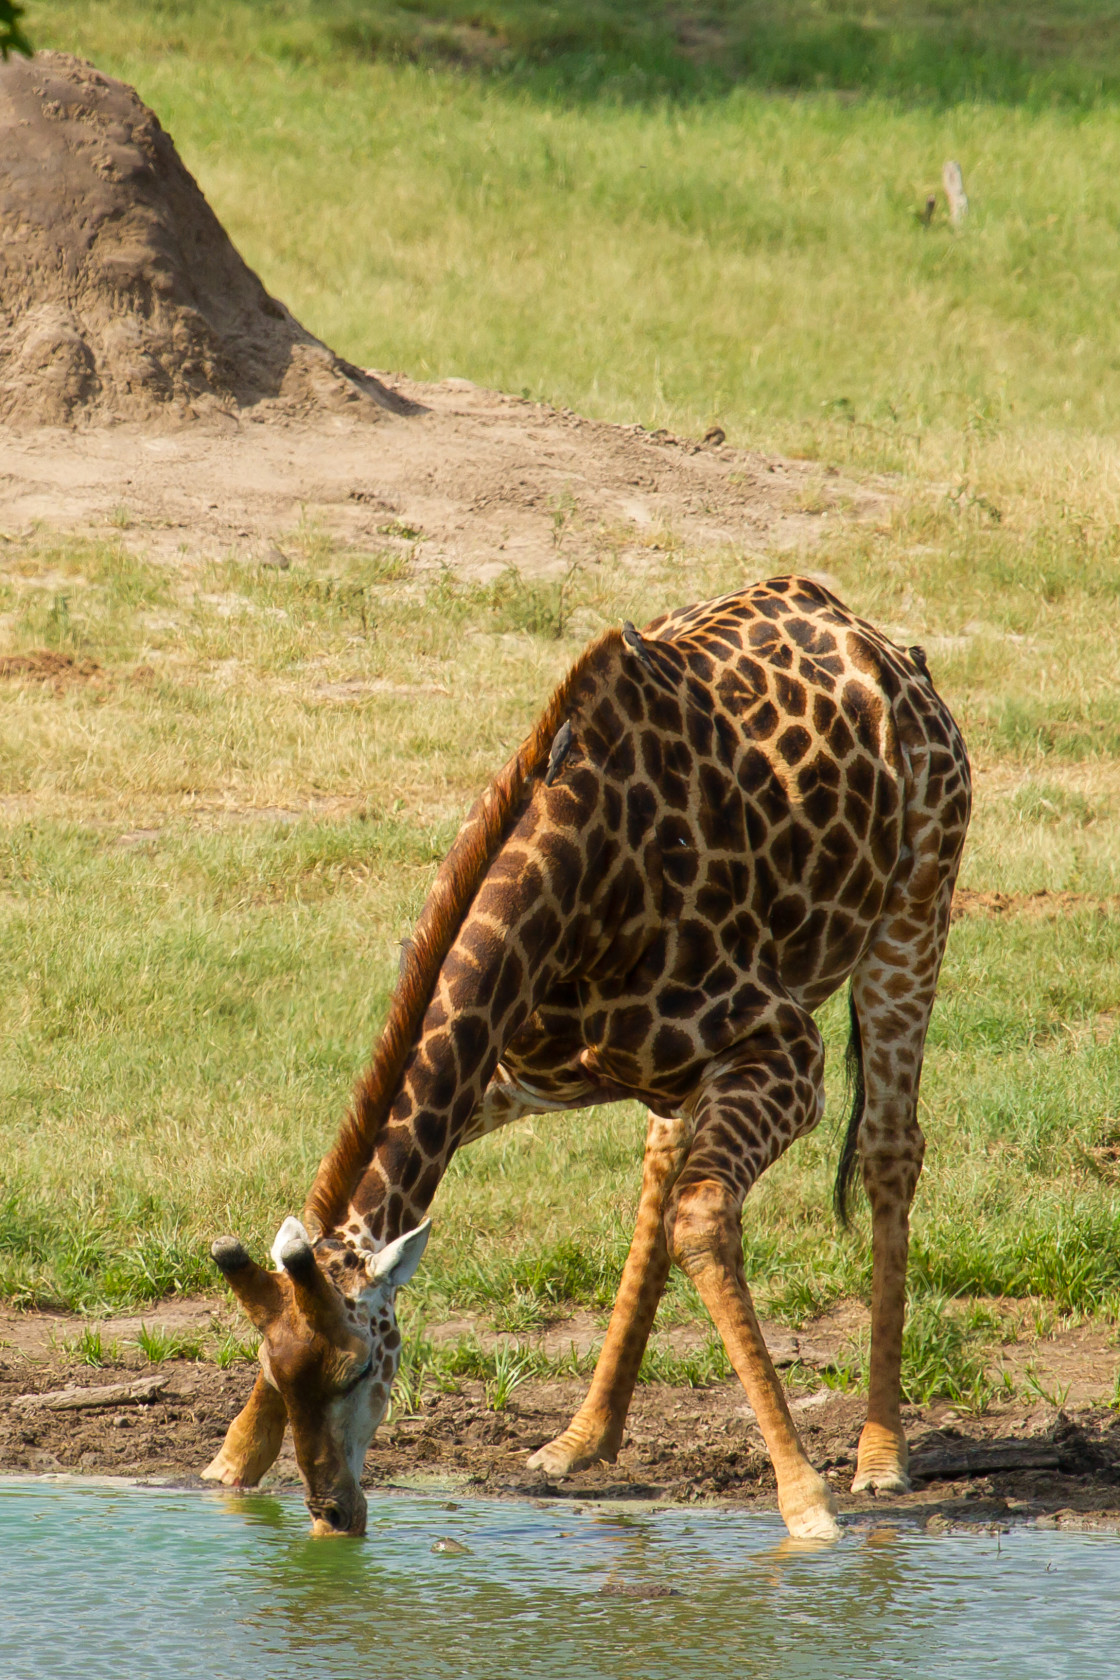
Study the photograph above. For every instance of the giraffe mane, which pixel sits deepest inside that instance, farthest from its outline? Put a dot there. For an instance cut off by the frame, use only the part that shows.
(460, 876)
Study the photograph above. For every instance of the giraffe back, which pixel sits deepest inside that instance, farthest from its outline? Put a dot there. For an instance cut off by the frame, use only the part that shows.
(761, 768)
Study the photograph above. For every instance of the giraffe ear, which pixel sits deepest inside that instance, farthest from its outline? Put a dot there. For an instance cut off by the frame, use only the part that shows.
(396, 1263)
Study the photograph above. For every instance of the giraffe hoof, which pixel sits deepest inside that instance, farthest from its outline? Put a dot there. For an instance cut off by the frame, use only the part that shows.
(809, 1512)
(555, 1459)
(891, 1480)
(881, 1460)
(818, 1524)
(221, 1471)
(563, 1458)
(218, 1473)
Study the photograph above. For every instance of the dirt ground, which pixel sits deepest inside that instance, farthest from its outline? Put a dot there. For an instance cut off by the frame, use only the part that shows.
(150, 385)
(473, 479)
(682, 1445)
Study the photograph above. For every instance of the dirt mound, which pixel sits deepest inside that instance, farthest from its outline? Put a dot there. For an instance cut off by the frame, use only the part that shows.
(121, 296)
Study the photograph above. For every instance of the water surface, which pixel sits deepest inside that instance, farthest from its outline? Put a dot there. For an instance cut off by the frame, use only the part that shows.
(100, 1581)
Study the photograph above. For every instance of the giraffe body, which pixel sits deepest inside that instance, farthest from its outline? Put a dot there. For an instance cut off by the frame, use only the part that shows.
(717, 822)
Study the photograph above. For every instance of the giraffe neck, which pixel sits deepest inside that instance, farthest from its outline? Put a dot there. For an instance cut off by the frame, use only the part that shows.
(522, 931)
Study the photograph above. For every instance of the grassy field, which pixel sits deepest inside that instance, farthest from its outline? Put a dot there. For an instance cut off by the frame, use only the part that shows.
(206, 864)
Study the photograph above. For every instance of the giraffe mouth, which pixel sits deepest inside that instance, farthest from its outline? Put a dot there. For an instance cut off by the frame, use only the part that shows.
(342, 1516)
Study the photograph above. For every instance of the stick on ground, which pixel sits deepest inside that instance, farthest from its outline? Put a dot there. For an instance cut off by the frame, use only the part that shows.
(74, 1399)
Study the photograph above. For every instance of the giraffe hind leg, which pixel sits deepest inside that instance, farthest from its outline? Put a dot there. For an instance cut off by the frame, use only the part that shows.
(595, 1433)
(893, 990)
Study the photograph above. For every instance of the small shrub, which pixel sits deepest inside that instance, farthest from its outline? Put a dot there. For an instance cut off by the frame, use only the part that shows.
(701, 1368)
(520, 1313)
(91, 1348)
(234, 1348)
(157, 1345)
(511, 1365)
(416, 1366)
(800, 1299)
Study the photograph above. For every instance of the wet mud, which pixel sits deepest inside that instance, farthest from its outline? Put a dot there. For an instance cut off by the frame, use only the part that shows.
(1016, 1463)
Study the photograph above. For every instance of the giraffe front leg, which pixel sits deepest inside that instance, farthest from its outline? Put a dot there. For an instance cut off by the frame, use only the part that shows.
(708, 1245)
(746, 1114)
(253, 1439)
(595, 1433)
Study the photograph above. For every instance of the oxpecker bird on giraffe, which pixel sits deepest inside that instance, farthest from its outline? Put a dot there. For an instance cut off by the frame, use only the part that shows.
(717, 821)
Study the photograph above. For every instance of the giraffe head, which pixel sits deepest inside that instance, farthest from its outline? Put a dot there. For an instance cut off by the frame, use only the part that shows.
(331, 1349)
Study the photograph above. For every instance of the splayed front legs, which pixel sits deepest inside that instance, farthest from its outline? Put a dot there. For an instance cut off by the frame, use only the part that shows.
(595, 1433)
(771, 1090)
(708, 1244)
(253, 1439)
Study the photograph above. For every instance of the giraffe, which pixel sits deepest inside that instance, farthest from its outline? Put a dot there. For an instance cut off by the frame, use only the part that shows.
(716, 822)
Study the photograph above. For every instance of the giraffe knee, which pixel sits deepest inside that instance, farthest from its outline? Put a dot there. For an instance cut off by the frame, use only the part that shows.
(702, 1227)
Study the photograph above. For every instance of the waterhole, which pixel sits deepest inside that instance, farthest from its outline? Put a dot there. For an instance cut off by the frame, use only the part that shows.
(122, 1582)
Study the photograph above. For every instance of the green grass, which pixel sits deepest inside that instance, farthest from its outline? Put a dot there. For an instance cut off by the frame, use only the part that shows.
(943, 1357)
(698, 1369)
(91, 1348)
(207, 859)
(735, 254)
(156, 1344)
(501, 1369)
(626, 51)
(198, 959)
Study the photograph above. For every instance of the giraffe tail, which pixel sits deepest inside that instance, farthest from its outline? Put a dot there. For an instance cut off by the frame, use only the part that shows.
(849, 1155)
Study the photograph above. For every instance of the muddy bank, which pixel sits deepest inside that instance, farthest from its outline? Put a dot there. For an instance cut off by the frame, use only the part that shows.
(1016, 1463)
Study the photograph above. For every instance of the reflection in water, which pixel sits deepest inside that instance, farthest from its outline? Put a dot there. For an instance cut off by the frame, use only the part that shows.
(257, 1509)
(111, 1582)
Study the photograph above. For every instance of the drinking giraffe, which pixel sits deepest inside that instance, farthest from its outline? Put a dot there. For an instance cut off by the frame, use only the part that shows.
(716, 822)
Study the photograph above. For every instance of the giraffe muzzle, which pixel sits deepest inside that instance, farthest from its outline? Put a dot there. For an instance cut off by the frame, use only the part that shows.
(340, 1516)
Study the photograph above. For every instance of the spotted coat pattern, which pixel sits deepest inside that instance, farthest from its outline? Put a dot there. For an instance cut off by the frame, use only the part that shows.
(748, 803)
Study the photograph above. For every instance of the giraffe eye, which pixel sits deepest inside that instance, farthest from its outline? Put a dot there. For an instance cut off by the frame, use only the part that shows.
(359, 1377)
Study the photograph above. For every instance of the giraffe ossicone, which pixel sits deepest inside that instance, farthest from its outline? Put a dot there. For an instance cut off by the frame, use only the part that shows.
(716, 822)
(291, 1231)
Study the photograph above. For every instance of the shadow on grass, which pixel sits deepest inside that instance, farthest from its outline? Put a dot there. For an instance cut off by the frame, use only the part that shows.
(948, 52)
